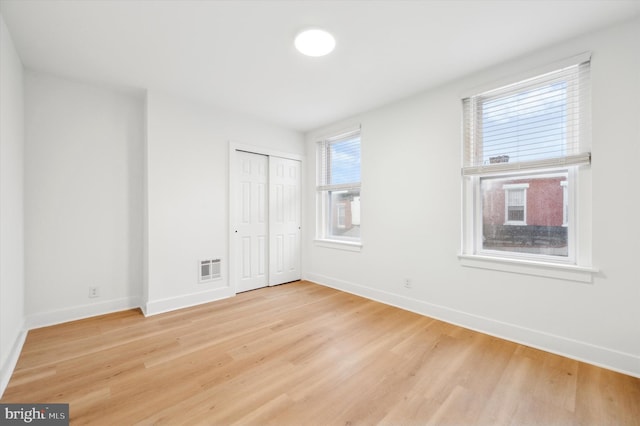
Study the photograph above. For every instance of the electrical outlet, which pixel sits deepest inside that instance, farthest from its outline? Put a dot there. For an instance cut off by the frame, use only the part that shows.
(94, 292)
(407, 283)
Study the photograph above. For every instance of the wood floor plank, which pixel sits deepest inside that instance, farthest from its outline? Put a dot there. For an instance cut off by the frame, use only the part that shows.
(302, 353)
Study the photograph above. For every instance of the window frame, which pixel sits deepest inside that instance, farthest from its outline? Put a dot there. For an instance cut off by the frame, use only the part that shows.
(325, 192)
(515, 187)
(577, 198)
(341, 217)
(565, 202)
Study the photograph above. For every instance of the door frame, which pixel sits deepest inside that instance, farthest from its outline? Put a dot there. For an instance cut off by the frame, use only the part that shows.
(233, 170)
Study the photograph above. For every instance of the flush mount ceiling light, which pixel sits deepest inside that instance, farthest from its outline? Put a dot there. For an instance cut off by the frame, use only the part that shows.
(315, 42)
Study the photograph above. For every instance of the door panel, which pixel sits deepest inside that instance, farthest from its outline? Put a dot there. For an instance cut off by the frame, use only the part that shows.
(252, 228)
(284, 224)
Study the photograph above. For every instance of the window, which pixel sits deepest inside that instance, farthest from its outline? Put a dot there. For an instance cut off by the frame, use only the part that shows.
(525, 147)
(338, 188)
(515, 203)
(565, 203)
(342, 215)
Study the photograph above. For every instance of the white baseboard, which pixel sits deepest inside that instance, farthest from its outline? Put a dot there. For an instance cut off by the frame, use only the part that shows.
(581, 351)
(154, 307)
(45, 319)
(101, 308)
(6, 370)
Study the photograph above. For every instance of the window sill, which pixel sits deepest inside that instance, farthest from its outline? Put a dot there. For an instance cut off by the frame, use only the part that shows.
(339, 245)
(529, 267)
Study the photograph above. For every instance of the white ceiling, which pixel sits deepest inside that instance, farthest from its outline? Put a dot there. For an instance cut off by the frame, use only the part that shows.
(239, 55)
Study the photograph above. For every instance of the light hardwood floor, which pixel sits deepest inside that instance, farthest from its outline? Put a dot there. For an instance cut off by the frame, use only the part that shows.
(304, 354)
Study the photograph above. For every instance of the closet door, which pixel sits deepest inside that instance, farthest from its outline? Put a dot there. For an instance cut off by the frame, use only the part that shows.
(252, 221)
(284, 220)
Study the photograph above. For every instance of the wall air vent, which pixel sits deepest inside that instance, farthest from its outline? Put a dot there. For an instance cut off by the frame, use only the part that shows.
(209, 269)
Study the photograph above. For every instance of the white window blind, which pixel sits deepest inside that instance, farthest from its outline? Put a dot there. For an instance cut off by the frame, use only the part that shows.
(339, 162)
(535, 123)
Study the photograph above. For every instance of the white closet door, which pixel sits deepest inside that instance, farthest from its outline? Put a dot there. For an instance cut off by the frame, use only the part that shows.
(252, 229)
(284, 220)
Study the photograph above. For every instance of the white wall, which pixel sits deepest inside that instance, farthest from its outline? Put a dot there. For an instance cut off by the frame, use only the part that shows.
(11, 205)
(411, 217)
(187, 194)
(84, 198)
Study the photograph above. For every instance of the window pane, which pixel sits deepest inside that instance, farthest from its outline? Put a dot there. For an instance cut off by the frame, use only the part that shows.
(543, 209)
(516, 213)
(344, 208)
(344, 163)
(516, 197)
(525, 126)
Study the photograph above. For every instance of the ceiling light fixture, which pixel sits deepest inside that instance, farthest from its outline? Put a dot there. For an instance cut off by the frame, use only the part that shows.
(315, 42)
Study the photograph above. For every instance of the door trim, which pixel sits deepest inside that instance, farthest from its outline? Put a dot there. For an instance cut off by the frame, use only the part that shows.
(232, 169)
